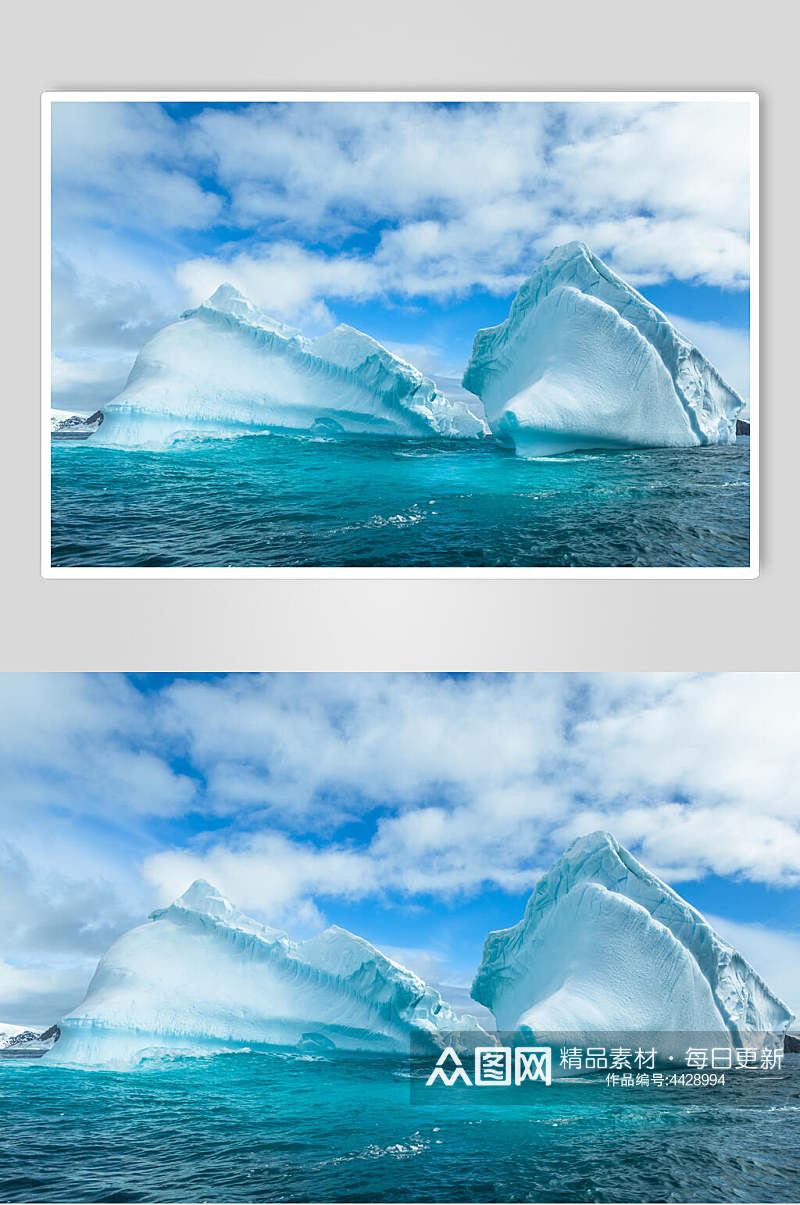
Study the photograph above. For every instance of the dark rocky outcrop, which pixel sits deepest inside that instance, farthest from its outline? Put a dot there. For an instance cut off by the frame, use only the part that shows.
(743, 426)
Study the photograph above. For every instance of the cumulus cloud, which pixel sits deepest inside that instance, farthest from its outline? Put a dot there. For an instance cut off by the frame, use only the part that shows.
(306, 205)
(83, 741)
(37, 994)
(285, 278)
(122, 162)
(464, 784)
(295, 792)
(476, 195)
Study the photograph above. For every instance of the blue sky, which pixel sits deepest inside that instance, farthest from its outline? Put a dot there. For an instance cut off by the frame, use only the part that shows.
(413, 222)
(416, 810)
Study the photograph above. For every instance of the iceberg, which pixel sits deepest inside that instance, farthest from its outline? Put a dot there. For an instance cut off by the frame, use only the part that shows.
(606, 947)
(201, 976)
(584, 361)
(227, 367)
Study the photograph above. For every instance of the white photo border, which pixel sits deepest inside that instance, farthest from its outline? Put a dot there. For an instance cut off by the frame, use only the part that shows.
(226, 96)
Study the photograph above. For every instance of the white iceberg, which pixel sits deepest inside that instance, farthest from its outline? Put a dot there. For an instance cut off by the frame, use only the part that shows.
(606, 946)
(201, 976)
(226, 367)
(584, 361)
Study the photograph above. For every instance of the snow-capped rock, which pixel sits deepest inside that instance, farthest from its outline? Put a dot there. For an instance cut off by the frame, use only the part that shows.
(19, 1041)
(64, 424)
(9, 1032)
(226, 367)
(200, 975)
(584, 361)
(606, 946)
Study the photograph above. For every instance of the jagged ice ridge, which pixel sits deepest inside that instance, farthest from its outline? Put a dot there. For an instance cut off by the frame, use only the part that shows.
(201, 975)
(225, 366)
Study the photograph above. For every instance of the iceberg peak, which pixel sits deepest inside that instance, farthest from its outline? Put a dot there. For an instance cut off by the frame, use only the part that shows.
(202, 896)
(225, 294)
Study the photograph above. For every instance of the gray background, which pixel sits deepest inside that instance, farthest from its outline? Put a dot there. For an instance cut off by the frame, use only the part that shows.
(398, 624)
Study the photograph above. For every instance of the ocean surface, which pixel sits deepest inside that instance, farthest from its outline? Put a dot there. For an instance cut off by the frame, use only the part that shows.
(262, 500)
(283, 1126)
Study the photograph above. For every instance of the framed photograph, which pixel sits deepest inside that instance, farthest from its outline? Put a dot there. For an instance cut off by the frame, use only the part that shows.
(400, 334)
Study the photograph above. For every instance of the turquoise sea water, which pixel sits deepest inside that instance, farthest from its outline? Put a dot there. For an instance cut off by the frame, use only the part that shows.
(283, 1126)
(302, 500)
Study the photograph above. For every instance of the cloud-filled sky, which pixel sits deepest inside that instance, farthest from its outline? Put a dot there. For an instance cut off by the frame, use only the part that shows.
(415, 222)
(416, 810)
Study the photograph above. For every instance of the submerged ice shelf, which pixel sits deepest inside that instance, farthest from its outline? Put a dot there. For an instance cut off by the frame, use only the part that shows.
(605, 945)
(202, 976)
(225, 366)
(584, 361)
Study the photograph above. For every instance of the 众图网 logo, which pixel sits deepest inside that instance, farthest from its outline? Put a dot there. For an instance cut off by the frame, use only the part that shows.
(498, 1066)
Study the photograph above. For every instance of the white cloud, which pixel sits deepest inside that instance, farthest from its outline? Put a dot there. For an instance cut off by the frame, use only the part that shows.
(37, 995)
(485, 782)
(308, 789)
(331, 167)
(313, 204)
(117, 162)
(88, 739)
(285, 279)
(106, 302)
(671, 160)
(86, 384)
(475, 196)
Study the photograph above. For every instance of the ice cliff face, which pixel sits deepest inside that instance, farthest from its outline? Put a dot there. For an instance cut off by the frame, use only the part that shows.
(604, 945)
(584, 361)
(203, 976)
(226, 366)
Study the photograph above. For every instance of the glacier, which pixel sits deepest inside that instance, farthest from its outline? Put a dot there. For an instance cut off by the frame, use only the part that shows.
(201, 976)
(227, 367)
(605, 946)
(584, 361)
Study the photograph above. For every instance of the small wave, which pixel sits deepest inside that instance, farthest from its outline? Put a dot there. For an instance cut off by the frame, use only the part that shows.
(415, 514)
(409, 1148)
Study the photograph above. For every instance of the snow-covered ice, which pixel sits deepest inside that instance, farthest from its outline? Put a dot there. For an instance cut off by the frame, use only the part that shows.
(606, 946)
(584, 361)
(202, 976)
(225, 366)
